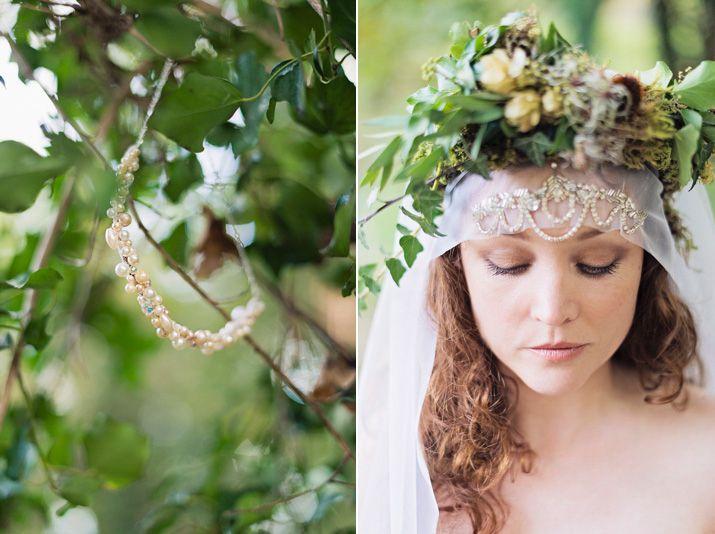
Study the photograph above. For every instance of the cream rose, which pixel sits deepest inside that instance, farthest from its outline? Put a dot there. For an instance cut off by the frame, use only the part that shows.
(495, 72)
(552, 102)
(524, 110)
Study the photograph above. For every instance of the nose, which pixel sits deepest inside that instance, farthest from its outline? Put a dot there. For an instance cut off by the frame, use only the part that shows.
(555, 297)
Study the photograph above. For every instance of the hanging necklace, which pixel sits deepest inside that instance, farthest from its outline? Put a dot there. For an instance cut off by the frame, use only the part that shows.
(138, 282)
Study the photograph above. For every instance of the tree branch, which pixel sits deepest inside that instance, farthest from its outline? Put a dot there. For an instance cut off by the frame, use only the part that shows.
(262, 353)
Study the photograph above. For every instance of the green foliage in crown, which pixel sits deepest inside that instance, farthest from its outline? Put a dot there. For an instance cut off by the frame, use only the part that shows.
(510, 94)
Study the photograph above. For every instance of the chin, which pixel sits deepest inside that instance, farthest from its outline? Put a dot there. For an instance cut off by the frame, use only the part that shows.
(552, 379)
(553, 382)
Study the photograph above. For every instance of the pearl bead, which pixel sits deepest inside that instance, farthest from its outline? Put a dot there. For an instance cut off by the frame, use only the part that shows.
(141, 277)
(166, 322)
(174, 335)
(227, 339)
(124, 219)
(149, 293)
(111, 238)
(132, 259)
(126, 251)
(116, 226)
(200, 337)
(161, 333)
(179, 343)
(122, 269)
(124, 235)
(155, 322)
(130, 288)
(158, 299)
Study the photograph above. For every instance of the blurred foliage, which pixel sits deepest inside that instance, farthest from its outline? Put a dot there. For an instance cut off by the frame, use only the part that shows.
(109, 429)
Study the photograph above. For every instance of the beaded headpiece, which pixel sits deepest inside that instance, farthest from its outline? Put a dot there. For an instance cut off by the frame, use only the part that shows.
(493, 214)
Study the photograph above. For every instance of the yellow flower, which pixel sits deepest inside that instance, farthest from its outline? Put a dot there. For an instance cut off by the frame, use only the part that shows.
(495, 72)
(552, 102)
(524, 110)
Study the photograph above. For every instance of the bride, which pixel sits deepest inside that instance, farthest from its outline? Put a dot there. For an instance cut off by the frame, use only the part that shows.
(539, 368)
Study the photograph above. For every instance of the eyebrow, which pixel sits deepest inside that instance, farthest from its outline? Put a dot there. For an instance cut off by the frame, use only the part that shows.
(581, 237)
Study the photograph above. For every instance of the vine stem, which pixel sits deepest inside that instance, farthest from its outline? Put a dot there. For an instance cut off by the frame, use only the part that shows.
(262, 353)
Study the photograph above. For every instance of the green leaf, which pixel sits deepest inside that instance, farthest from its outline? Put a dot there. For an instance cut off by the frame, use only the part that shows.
(36, 333)
(116, 451)
(251, 76)
(697, 89)
(427, 226)
(686, 144)
(329, 107)
(188, 113)
(79, 488)
(421, 168)
(411, 247)
(396, 268)
(535, 147)
(342, 227)
(343, 22)
(23, 173)
(181, 175)
(382, 166)
(365, 273)
(177, 243)
(459, 36)
(658, 76)
(170, 32)
(553, 40)
(289, 85)
(46, 278)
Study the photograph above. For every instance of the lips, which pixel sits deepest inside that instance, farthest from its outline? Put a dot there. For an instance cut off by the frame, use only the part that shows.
(558, 352)
(560, 345)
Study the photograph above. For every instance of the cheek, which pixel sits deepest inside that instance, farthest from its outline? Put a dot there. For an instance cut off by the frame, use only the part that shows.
(497, 303)
(608, 308)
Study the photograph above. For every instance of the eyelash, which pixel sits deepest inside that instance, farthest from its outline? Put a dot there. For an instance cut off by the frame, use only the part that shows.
(587, 270)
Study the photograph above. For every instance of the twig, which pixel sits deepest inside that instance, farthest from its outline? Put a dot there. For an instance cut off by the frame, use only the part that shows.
(41, 257)
(254, 345)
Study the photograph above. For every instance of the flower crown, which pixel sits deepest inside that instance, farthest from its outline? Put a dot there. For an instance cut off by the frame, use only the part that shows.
(509, 95)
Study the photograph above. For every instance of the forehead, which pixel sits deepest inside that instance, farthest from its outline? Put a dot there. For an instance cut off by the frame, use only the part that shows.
(584, 236)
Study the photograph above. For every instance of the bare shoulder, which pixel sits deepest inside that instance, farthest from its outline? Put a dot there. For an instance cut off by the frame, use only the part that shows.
(697, 446)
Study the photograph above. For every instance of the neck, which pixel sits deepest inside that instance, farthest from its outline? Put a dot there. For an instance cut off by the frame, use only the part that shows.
(555, 424)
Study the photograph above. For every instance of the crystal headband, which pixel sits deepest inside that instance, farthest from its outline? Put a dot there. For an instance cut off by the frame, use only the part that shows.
(557, 189)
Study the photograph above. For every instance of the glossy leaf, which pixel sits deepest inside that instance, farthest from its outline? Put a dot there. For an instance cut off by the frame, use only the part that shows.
(24, 173)
(188, 113)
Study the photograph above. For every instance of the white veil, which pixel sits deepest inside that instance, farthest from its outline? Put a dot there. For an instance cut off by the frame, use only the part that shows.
(394, 490)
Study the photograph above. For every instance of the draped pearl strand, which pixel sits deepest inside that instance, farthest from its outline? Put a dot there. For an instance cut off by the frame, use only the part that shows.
(137, 280)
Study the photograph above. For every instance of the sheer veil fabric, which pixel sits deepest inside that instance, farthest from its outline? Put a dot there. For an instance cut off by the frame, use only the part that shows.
(394, 489)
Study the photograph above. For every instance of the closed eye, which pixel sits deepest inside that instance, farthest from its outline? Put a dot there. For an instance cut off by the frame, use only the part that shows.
(593, 271)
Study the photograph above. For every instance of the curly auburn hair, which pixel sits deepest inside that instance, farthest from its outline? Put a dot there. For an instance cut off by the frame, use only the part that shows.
(466, 421)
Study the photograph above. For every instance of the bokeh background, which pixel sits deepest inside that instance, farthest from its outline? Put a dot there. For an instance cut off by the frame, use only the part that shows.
(397, 37)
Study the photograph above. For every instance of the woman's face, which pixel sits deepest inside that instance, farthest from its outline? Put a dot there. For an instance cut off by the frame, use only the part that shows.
(527, 292)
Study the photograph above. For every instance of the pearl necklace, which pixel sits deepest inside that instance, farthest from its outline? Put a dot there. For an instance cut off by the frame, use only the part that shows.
(138, 282)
